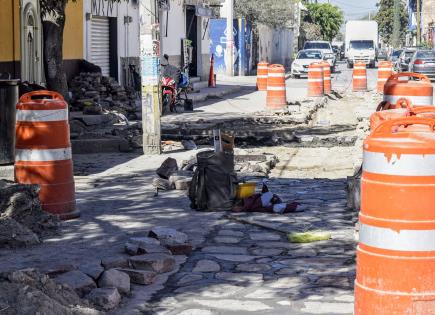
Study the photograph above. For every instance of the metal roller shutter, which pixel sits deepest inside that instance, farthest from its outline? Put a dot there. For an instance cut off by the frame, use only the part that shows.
(100, 43)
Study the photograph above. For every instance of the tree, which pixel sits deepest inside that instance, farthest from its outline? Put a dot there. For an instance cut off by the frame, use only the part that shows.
(274, 13)
(385, 19)
(328, 17)
(53, 23)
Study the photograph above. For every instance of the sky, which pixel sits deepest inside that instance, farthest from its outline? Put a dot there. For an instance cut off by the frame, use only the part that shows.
(354, 9)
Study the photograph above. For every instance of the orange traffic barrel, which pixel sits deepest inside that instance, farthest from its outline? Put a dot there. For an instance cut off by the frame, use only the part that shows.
(43, 151)
(315, 80)
(385, 70)
(413, 86)
(276, 90)
(262, 71)
(326, 78)
(386, 111)
(396, 250)
(359, 77)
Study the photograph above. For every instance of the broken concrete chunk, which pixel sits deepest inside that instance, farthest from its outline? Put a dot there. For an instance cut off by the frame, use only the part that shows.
(182, 249)
(168, 236)
(115, 279)
(115, 262)
(56, 271)
(81, 283)
(133, 249)
(143, 277)
(159, 263)
(105, 298)
(92, 270)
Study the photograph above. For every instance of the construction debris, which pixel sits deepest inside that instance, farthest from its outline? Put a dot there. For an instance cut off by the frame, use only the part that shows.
(30, 292)
(22, 221)
(93, 93)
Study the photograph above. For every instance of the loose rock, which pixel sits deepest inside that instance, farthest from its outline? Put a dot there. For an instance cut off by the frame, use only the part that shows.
(160, 263)
(115, 279)
(81, 283)
(105, 298)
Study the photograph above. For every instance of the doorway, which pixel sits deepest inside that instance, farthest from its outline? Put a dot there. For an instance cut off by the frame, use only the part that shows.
(31, 43)
(192, 35)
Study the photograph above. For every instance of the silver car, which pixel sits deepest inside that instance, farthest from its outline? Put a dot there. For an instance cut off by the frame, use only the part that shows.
(423, 62)
(303, 60)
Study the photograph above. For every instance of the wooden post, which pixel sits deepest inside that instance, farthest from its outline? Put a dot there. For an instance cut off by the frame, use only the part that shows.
(150, 73)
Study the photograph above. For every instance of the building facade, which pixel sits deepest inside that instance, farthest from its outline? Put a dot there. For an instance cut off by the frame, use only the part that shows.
(102, 33)
(185, 34)
(21, 50)
(427, 22)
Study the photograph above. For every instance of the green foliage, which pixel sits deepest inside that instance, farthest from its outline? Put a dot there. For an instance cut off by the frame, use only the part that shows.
(385, 19)
(274, 13)
(328, 17)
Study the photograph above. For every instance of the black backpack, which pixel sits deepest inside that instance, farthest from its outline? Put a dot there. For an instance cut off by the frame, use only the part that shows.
(214, 182)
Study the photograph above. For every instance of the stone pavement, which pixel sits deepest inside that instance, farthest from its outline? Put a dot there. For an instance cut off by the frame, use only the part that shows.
(244, 269)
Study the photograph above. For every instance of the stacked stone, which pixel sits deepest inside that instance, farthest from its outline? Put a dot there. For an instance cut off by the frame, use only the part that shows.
(92, 93)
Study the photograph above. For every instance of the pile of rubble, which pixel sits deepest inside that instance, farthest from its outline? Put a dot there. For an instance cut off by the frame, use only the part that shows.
(101, 284)
(31, 292)
(22, 221)
(93, 93)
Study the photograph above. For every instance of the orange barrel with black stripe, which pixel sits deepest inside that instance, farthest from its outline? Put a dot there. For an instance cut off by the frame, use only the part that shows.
(262, 71)
(413, 86)
(315, 80)
(43, 151)
(396, 250)
(359, 77)
(276, 90)
(385, 70)
(327, 88)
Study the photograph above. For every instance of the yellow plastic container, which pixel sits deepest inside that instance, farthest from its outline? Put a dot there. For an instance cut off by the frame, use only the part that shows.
(245, 190)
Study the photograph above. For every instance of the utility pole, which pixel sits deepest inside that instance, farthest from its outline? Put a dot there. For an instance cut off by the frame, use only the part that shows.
(396, 24)
(150, 73)
(230, 38)
(418, 20)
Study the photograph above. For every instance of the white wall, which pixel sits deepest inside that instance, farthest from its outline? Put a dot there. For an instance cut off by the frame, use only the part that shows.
(128, 34)
(176, 23)
(275, 45)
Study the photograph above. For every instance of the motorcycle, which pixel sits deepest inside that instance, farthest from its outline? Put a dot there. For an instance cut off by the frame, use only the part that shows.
(174, 94)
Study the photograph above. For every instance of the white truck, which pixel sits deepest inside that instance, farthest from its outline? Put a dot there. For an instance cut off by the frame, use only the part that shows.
(361, 43)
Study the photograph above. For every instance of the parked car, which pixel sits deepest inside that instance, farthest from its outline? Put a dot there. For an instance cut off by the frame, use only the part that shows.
(303, 59)
(395, 55)
(402, 63)
(382, 54)
(325, 48)
(423, 61)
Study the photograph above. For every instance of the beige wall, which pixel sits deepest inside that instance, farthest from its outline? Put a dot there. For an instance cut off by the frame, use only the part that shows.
(73, 33)
(9, 30)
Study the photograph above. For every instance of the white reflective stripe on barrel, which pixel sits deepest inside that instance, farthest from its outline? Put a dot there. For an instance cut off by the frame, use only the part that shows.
(276, 88)
(360, 77)
(276, 75)
(401, 165)
(263, 67)
(42, 115)
(315, 80)
(327, 78)
(262, 76)
(359, 68)
(315, 70)
(382, 79)
(402, 240)
(415, 100)
(32, 155)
